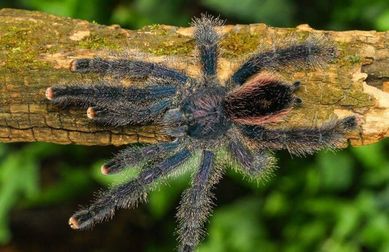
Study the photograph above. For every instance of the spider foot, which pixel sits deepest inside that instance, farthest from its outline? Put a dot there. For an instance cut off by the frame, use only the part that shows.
(104, 116)
(52, 93)
(66, 96)
(119, 114)
(132, 156)
(91, 113)
(297, 102)
(49, 93)
(347, 123)
(89, 65)
(79, 220)
(130, 68)
(76, 65)
(296, 85)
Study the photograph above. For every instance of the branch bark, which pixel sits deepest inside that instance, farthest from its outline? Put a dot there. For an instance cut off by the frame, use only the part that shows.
(36, 49)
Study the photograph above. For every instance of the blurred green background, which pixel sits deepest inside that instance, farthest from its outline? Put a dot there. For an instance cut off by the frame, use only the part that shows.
(326, 202)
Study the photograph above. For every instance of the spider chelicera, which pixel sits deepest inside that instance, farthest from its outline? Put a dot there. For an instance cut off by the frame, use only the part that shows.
(201, 115)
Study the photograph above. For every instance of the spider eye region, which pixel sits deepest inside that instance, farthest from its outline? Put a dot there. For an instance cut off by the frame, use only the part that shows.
(205, 113)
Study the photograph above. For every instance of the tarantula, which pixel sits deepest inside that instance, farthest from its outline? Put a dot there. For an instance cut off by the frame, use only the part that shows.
(200, 115)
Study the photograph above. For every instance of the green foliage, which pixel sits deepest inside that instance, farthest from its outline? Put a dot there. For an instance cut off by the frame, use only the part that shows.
(327, 207)
(19, 178)
(256, 10)
(20, 185)
(363, 13)
(94, 10)
(165, 197)
(382, 22)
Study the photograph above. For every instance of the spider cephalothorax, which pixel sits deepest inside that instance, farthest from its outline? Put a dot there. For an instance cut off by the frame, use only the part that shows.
(205, 114)
(199, 114)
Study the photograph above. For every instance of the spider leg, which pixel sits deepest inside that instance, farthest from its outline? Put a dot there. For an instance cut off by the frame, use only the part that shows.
(253, 163)
(134, 155)
(132, 68)
(305, 54)
(85, 96)
(196, 203)
(126, 195)
(122, 114)
(207, 43)
(301, 141)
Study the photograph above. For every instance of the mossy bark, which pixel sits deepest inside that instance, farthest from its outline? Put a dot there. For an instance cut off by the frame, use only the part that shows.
(36, 49)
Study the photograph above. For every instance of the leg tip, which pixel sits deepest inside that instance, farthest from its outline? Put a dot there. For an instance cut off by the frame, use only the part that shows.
(73, 65)
(79, 65)
(105, 169)
(350, 122)
(49, 93)
(296, 85)
(91, 113)
(73, 223)
(298, 102)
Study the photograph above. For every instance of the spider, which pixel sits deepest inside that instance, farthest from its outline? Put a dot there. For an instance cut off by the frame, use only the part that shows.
(202, 116)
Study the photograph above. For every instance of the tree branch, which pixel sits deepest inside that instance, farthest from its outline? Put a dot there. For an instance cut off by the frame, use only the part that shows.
(36, 50)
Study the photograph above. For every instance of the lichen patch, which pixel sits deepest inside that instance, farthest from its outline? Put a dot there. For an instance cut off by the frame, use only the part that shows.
(58, 60)
(80, 35)
(382, 98)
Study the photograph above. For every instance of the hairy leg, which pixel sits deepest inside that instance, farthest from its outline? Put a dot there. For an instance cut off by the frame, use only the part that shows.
(305, 54)
(196, 203)
(206, 41)
(127, 195)
(122, 114)
(132, 68)
(302, 141)
(134, 155)
(254, 163)
(85, 96)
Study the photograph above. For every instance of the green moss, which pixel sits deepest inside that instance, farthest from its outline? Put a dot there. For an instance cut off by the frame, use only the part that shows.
(239, 43)
(19, 46)
(95, 42)
(354, 59)
(171, 48)
(162, 41)
(155, 29)
(357, 99)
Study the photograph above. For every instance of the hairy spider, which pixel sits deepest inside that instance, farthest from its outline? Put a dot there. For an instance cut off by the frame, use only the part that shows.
(200, 115)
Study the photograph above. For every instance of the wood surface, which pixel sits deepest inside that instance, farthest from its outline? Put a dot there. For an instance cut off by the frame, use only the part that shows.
(37, 48)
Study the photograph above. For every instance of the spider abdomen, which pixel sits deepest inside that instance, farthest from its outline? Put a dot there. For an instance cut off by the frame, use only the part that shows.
(205, 114)
(261, 100)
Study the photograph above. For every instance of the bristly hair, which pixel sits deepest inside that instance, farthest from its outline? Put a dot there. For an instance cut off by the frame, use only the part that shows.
(196, 203)
(205, 22)
(313, 52)
(304, 140)
(207, 39)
